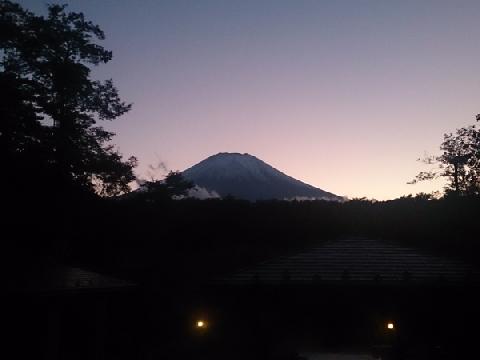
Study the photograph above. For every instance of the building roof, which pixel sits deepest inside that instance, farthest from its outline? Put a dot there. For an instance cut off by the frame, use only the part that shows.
(358, 261)
(54, 279)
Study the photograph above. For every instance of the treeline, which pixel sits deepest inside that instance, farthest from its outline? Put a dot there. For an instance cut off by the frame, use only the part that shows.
(222, 234)
(204, 238)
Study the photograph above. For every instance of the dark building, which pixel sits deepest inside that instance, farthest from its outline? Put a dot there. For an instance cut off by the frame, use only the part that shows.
(355, 295)
(57, 312)
(371, 298)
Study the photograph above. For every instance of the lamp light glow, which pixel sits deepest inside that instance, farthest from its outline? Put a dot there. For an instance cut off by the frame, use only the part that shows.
(390, 326)
(200, 324)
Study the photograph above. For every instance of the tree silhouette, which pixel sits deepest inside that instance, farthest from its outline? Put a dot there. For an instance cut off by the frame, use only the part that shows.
(53, 104)
(459, 163)
(173, 186)
(176, 184)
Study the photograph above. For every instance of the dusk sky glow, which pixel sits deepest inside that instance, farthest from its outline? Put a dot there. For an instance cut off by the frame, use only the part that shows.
(343, 95)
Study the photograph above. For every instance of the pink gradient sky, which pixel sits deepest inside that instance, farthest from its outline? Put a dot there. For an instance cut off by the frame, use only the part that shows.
(344, 95)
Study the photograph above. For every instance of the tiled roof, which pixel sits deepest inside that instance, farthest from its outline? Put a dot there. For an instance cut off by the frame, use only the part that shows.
(358, 261)
(61, 279)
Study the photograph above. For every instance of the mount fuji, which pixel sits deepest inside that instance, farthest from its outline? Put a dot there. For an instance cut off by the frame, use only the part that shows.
(246, 177)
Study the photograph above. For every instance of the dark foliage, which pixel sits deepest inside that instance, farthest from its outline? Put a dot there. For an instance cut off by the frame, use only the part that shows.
(459, 162)
(50, 105)
(204, 238)
(173, 186)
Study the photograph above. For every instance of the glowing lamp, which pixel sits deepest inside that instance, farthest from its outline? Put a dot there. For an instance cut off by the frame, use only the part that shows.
(200, 324)
(390, 326)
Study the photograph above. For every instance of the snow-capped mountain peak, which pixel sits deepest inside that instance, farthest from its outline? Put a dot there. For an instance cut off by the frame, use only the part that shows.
(247, 177)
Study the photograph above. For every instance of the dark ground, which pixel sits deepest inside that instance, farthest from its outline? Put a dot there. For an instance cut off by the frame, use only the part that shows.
(173, 251)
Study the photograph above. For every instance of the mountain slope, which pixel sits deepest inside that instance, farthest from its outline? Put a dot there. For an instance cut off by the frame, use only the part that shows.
(247, 177)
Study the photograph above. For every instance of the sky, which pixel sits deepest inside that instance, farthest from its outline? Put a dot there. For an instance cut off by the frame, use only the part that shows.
(343, 95)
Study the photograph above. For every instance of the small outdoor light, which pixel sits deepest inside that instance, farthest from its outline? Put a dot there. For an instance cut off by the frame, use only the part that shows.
(390, 325)
(200, 324)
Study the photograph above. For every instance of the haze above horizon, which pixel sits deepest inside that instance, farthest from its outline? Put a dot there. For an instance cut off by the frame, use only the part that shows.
(343, 95)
